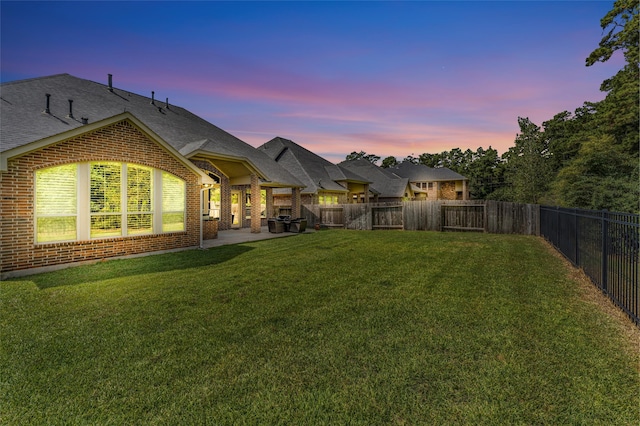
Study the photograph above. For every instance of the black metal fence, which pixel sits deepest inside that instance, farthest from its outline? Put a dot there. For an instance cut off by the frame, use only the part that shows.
(606, 245)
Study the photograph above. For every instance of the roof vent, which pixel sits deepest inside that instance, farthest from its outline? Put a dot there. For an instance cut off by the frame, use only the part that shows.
(166, 104)
(153, 97)
(47, 110)
(84, 120)
(110, 82)
(70, 108)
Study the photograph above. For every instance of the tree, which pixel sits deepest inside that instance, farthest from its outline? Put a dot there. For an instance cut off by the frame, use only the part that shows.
(431, 160)
(566, 132)
(528, 170)
(622, 34)
(602, 176)
(620, 110)
(389, 162)
(484, 172)
(363, 156)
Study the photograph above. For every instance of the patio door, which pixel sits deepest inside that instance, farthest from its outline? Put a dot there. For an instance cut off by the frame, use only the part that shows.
(237, 209)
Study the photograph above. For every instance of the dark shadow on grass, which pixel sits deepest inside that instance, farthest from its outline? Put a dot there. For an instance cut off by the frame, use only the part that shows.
(118, 268)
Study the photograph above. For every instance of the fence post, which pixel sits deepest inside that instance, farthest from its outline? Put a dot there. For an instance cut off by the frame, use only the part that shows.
(605, 249)
(576, 240)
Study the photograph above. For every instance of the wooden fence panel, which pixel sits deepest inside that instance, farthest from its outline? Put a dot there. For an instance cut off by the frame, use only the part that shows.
(463, 217)
(387, 217)
(490, 216)
(357, 216)
(421, 215)
(332, 216)
(512, 218)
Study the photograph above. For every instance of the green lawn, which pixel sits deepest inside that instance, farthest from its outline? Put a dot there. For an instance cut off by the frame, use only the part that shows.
(335, 327)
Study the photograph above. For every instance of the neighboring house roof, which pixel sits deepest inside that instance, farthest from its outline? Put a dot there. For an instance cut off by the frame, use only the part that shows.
(422, 173)
(385, 183)
(24, 121)
(312, 170)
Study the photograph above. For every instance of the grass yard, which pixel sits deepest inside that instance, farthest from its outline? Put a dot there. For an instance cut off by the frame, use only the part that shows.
(335, 327)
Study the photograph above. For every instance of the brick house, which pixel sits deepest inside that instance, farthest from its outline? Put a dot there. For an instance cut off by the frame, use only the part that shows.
(89, 171)
(325, 182)
(434, 183)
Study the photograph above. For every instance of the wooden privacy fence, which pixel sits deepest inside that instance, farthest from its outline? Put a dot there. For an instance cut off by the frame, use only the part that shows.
(483, 216)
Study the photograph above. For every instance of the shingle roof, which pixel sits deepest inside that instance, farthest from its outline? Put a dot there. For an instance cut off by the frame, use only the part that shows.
(384, 182)
(314, 171)
(22, 105)
(422, 173)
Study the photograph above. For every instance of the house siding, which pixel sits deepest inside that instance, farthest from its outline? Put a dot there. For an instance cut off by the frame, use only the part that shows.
(120, 142)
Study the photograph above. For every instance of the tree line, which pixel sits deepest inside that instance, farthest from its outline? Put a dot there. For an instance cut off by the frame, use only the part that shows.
(588, 158)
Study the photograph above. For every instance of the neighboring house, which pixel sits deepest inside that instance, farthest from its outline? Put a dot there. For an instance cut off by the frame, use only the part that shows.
(387, 186)
(325, 182)
(89, 171)
(434, 183)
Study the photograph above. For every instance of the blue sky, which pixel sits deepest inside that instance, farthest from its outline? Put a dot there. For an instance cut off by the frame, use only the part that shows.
(388, 78)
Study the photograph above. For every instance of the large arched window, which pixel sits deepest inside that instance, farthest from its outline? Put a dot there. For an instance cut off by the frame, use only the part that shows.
(107, 199)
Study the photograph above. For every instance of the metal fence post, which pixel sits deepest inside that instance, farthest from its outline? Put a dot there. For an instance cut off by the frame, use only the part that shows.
(605, 249)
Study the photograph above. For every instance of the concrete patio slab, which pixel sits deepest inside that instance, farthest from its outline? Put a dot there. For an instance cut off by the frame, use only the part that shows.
(244, 235)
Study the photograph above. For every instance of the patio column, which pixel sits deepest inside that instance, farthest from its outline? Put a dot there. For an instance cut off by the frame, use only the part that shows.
(225, 203)
(255, 204)
(366, 192)
(295, 203)
(269, 207)
(464, 190)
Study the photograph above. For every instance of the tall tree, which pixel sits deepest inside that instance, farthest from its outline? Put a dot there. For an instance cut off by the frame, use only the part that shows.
(528, 169)
(484, 173)
(620, 110)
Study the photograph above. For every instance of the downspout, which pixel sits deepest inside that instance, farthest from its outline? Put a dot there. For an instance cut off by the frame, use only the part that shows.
(202, 189)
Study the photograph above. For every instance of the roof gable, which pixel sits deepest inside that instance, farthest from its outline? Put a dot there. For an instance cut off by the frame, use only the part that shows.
(314, 171)
(42, 143)
(24, 120)
(385, 183)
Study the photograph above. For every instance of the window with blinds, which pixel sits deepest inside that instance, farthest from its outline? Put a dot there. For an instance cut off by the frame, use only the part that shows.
(56, 203)
(139, 200)
(106, 199)
(173, 203)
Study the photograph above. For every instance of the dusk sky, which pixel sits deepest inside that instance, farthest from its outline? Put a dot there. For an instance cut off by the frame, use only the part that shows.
(387, 78)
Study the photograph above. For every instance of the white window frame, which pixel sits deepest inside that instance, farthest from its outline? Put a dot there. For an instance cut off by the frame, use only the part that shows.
(83, 203)
(37, 215)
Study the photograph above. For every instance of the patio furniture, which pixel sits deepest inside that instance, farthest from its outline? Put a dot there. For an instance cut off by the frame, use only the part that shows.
(275, 226)
(298, 225)
(286, 220)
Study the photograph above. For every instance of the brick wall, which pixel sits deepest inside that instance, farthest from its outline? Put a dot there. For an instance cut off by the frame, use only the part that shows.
(121, 142)
(225, 193)
(448, 190)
